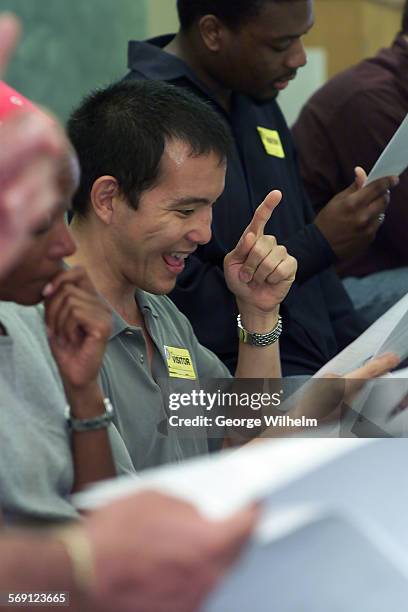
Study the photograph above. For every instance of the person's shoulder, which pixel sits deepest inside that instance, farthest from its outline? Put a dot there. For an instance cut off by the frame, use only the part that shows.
(30, 316)
(346, 93)
(341, 88)
(26, 322)
(360, 81)
(149, 59)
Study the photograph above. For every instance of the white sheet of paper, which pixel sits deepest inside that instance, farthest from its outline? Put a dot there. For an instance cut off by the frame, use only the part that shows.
(334, 562)
(388, 334)
(349, 554)
(394, 159)
(333, 525)
(221, 484)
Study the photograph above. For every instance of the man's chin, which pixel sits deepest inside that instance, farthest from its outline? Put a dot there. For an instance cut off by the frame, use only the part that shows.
(162, 289)
(30, 300)
(266, 97)
(23, 299)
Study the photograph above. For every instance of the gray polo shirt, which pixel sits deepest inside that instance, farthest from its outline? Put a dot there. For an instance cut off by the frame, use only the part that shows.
(36, 466)
(140, 395)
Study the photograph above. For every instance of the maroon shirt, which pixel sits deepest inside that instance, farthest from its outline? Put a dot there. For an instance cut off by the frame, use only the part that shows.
(347, 123)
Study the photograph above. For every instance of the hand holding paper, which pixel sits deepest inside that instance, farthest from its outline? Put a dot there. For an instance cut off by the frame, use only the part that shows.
(394, 159)
(350, 221)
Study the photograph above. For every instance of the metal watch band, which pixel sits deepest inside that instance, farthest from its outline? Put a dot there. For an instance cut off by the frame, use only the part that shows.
(98, 422)
(260, 340)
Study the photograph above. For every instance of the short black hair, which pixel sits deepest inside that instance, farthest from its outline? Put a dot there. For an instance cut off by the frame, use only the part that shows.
(404, 23)
(230, 12)
(122, 131)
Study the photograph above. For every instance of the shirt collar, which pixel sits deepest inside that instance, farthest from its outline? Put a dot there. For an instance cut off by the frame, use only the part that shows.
(149, 59)
(146, 305)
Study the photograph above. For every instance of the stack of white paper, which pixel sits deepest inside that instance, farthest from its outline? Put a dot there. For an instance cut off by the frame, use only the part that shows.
(334, 534)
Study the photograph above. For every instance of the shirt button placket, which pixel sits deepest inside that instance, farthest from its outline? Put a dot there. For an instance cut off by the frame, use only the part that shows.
(129, 332)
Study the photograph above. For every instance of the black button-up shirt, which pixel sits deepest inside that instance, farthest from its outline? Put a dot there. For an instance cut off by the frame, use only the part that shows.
(318, 317)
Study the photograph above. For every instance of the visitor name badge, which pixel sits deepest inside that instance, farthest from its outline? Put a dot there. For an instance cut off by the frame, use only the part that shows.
(271, 141)
(179, 363)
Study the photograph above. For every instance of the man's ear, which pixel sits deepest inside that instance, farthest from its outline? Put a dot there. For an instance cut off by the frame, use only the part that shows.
(103, 194)
(211, 30)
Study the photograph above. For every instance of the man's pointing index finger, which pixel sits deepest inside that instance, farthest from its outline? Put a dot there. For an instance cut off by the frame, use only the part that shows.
(263, 213)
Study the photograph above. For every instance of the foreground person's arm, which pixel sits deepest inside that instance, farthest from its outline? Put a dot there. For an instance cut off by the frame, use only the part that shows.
(79, 325)
(145, 553)
(33, 563)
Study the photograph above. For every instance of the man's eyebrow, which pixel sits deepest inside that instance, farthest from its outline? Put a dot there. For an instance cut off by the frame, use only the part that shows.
(188, 201)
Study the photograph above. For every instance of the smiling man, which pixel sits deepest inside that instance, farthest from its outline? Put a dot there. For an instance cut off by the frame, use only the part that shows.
(238, 55)
(153, 161)
(90, 561)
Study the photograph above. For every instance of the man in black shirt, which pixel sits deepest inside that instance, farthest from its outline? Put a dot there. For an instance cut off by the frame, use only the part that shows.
(238, 55)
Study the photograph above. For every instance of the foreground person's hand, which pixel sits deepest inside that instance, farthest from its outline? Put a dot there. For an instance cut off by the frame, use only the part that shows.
(156, 553)
(79, 324)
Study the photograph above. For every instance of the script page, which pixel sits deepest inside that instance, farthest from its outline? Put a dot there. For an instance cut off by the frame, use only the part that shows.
(388, 334)
(394, 159)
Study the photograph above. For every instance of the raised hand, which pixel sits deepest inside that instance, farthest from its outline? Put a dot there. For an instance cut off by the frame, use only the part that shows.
(351, 219)
(79, 324)
(259, 271)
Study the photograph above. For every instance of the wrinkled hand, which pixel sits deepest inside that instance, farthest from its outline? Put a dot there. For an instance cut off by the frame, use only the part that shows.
(183, 554)
(350, 221)
(259, 272)
(79, 324)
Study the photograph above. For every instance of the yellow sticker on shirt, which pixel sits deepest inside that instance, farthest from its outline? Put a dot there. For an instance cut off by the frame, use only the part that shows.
(179, 363)
(272, 142)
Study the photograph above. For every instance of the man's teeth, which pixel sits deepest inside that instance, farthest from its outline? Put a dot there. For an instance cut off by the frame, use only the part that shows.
(180, 256)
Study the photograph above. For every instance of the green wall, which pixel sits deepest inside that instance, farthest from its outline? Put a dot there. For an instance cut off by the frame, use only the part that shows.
(72, 46)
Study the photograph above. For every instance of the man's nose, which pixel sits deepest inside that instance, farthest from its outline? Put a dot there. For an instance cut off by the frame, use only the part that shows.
(63, 244)
(296, 57)
(200, 231)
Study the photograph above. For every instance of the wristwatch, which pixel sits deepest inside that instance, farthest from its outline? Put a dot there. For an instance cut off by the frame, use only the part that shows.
(260, 340)
(98, 422)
